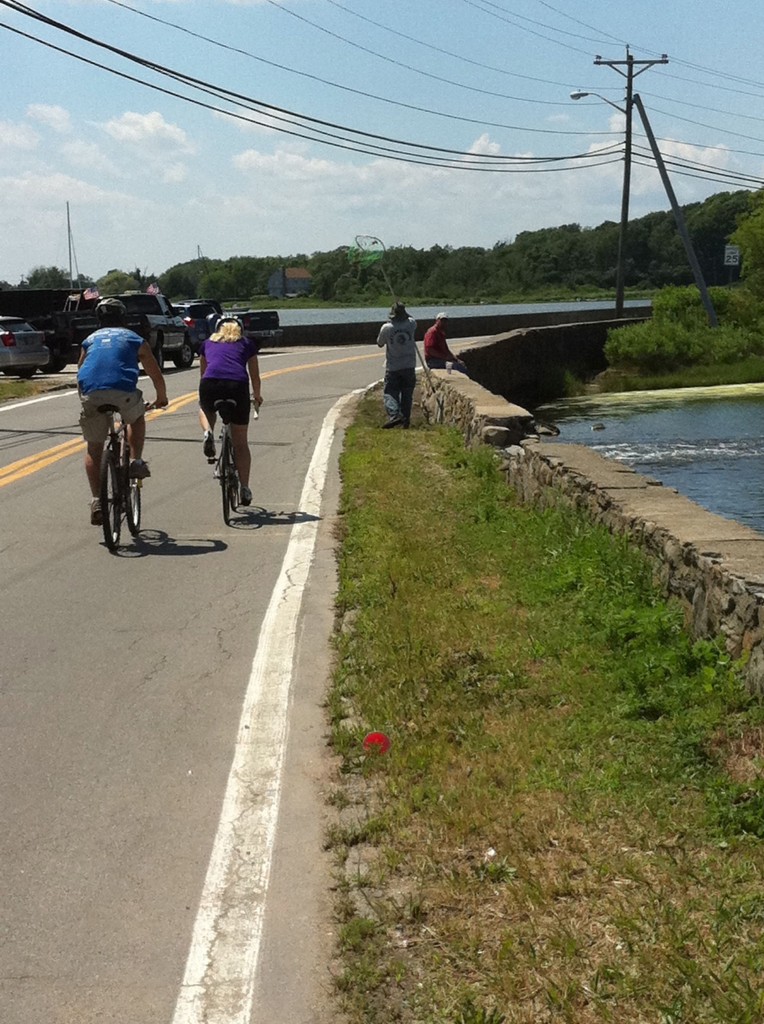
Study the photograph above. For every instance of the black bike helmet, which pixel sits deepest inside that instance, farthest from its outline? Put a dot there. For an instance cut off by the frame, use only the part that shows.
(110, 311)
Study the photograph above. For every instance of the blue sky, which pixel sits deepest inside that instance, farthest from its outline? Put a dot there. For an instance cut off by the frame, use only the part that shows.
(152, 179)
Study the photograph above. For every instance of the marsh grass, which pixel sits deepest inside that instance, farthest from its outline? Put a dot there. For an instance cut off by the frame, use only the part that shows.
(568, 824)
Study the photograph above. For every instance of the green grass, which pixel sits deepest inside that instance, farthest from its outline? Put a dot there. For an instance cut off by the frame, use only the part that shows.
(10, 388)
(745, 371)
(568, 824)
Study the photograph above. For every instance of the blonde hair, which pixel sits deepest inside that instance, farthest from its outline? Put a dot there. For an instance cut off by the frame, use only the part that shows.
(227, 332)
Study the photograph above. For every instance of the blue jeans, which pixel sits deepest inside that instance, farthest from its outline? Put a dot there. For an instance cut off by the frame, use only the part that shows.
(398, 394)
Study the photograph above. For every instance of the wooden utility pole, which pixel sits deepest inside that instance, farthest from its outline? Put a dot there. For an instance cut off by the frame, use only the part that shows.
(629, 74)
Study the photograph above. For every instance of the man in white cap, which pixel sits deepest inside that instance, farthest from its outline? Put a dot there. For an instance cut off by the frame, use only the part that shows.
(437, 354)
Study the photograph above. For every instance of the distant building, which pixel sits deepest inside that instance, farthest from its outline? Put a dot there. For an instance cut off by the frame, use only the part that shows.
(289, 281)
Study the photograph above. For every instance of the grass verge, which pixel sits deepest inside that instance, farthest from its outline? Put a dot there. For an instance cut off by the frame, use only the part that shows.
(18, 389)
(568, 823)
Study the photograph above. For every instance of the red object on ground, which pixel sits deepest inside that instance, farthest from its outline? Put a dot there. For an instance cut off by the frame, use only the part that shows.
(376, 742)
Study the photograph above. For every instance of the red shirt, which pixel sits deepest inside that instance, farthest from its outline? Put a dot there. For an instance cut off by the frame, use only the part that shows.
(435, 345)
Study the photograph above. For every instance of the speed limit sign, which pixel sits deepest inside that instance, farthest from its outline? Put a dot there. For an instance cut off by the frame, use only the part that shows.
(731, 255)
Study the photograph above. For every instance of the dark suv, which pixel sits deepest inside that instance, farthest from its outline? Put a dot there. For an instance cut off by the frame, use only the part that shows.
(194, 313)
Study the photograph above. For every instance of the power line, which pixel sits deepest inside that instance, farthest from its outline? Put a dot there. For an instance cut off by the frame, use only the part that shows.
(407, 67)
(357, 92)
(429, 155)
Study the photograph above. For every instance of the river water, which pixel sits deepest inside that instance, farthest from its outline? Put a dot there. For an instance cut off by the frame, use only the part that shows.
(298, 317)
(708, 443)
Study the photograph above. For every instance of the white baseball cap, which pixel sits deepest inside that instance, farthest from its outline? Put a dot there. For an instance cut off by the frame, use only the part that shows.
(442, 316)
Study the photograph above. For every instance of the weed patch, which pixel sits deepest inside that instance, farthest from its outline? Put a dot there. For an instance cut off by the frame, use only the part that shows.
(567, 824)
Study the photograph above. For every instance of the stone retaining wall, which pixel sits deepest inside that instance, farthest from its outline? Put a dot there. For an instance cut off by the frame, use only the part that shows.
(712, 565)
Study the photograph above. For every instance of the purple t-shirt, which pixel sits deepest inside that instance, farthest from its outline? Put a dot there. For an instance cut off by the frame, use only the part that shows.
(227, 360)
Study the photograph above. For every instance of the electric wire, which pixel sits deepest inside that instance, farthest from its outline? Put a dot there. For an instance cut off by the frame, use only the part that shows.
(360, 92)
(428, 155)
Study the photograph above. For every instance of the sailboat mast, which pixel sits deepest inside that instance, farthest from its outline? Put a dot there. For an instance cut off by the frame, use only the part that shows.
(69, 239)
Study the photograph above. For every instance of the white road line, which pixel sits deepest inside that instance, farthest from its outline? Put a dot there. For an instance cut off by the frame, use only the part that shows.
(6, 407)
(218, 984)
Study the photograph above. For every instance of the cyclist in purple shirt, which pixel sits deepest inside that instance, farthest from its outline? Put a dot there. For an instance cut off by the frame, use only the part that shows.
(228, 365)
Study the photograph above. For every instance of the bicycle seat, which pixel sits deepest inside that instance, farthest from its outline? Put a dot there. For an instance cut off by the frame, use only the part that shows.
(225, 408)
(108, 408)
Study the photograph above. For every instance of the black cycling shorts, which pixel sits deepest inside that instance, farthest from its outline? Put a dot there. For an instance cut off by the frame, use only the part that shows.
(212, 388)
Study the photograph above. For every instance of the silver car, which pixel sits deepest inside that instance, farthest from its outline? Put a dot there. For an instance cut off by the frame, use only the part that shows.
(22, 348)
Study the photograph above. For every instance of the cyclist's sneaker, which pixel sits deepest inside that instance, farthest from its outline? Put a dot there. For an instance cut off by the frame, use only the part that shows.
(96, 515)
(209, 444)
(139, 469)
(245, 496)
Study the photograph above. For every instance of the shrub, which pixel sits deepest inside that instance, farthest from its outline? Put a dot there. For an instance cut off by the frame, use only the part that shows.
(679, 335)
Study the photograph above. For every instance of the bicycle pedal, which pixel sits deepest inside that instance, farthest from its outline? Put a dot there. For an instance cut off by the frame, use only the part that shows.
(212, 461)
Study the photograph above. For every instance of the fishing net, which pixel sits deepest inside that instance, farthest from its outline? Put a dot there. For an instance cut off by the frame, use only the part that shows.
(366, 250)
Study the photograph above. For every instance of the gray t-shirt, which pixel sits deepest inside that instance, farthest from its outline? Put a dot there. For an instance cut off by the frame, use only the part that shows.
(398, 338)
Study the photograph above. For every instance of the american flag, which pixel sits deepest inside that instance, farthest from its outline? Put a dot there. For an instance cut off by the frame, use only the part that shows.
(90, 293)
(153, 289)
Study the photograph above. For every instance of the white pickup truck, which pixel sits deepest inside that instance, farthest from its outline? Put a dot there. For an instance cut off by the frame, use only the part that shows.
(168, 334)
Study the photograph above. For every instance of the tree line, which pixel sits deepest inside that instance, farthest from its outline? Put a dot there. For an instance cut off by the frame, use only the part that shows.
(564, 261)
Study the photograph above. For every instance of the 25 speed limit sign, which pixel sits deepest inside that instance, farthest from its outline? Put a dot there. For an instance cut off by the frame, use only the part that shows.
(731, 255)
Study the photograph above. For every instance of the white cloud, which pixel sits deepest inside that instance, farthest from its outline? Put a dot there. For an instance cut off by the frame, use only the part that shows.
(148, 132)
(88, 156)
(54, 117)
(18, 136)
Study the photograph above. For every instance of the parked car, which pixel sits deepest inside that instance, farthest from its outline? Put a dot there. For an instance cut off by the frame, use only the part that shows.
(22, 348)
(194, 313)
(261, 325)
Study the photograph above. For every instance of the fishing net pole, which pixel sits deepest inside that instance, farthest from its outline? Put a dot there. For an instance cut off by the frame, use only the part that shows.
(367, 251)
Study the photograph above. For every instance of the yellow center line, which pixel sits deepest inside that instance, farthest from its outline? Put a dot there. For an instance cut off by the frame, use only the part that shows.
(33, 463)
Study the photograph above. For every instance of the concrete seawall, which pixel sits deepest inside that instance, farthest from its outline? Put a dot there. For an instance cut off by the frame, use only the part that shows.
(713, 566)
(363, 332)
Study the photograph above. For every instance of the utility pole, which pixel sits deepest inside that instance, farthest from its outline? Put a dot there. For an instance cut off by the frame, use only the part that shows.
(629, 74)
(678, 217)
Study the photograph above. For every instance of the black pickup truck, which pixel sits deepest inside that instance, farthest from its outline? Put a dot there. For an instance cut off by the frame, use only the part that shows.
(51, 310)
(261, 325)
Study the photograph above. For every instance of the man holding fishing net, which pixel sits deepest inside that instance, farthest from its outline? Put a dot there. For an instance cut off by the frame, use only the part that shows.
(398, 338)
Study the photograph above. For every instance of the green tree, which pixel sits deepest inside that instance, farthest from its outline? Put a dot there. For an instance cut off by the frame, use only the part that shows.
(750, 237)
(47, 277)
(117, 281)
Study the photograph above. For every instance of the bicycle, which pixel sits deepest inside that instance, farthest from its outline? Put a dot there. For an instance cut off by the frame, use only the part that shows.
(120, 494)
(225, 466)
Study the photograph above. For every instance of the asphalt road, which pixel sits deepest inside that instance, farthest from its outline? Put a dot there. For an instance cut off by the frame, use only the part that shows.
(163, 747)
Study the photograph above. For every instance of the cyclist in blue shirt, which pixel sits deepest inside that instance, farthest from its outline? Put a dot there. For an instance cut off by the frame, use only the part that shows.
(107, 374)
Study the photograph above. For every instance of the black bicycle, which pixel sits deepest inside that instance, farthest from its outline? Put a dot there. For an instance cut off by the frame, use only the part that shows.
(225, 467)
(120, 495)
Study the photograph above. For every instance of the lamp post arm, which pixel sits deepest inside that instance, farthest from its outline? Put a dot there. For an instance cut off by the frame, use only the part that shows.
(678, 217)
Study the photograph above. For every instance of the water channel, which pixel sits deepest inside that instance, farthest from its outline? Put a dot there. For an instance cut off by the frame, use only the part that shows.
(708, 443)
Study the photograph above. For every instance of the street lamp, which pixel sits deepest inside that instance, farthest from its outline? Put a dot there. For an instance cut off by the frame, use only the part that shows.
(619, 271)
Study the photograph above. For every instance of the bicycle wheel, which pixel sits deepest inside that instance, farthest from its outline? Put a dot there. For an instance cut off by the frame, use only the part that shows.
(226, 475)
(111, 499)
(133, 509)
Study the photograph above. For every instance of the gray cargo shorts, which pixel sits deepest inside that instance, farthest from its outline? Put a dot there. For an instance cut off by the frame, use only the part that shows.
(95, 424)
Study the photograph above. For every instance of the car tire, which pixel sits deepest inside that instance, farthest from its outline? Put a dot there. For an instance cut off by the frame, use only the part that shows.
(25, 374)
(185, 356)
(56, 364)
(159, 354)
